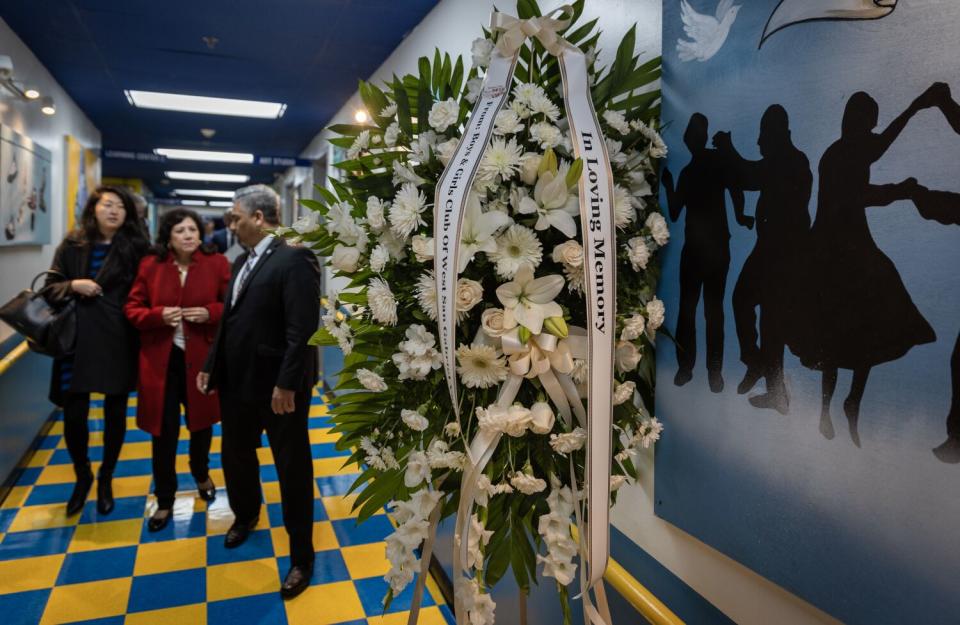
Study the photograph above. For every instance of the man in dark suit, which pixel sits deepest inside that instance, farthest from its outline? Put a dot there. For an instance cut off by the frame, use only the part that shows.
(226, 240)
(265, 371)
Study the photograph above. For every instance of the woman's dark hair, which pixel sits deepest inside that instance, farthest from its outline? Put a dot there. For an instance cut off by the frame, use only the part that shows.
(167, 222)
(129, 243)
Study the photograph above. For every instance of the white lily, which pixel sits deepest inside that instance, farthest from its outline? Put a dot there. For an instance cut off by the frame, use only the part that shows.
(551, 201)
(528, 301)
(478, 230)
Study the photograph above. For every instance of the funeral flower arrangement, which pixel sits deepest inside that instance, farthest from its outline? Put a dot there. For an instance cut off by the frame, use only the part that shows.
(519, 304)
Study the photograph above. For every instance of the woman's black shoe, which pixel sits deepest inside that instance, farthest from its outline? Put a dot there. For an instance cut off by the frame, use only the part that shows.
(80, 491)
(105, 494)
(160, 519)
(207, 490)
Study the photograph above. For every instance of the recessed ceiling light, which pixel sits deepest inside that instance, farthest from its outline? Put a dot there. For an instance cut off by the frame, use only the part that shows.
(221, 203)
(361, 116)
(203, 192)
(193, 202)
(204, 104)
(205, 155)
(47, 107)
(31, 93)
(199, 175)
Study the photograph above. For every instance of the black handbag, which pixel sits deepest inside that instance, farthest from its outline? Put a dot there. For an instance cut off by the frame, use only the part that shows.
(50, 328)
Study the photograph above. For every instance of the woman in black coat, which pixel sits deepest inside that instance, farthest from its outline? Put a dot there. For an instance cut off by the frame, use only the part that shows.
(97, 264)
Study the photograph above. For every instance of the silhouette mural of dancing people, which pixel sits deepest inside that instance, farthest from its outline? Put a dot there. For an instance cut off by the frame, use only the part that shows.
(769, 275)
(860, 313)
(705, 257)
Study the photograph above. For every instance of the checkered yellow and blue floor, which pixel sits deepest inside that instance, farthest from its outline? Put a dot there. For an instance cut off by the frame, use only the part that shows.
(111, 570)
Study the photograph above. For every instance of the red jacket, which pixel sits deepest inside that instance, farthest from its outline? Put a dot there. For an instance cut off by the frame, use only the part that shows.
(157, 286)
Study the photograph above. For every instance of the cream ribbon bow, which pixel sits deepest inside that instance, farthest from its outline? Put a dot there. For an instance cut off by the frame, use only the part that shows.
(545, 29)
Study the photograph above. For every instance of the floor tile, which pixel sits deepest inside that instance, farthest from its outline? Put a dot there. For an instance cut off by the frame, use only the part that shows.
(323, 538)
(374, 529)
(328, 567)
(25, 574)
(17, 495)
(6, 518)
(431, 615)
(169, 556)
(333, 466)
(266, 609)
(373, 590)
(37, 543)
(336, 484)
(322, 435)
(241, 579)
(275, 513)
(325, 604)
(368, 560)
(167, 590)
(23, 608)
(124, 508)
(258, 545)
(77, 602)
(45, 516)
(91, 566)
(341, 506)
(106, 535)
(62, 475)
(328, 450)
(195, 614)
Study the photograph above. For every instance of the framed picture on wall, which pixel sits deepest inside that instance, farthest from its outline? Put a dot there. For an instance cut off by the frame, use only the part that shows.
(24, 190)
(83, 175)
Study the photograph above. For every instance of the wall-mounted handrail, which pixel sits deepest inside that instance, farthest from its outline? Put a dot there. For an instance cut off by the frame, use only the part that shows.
(13, 356)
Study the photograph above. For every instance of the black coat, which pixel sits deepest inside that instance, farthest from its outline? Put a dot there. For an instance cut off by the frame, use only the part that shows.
(262, 339)
(105, 358)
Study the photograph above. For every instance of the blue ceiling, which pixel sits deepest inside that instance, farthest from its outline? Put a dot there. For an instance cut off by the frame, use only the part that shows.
(308, 54)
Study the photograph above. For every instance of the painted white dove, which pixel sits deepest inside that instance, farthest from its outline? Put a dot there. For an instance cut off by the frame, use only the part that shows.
(708, 32)
(790, 12)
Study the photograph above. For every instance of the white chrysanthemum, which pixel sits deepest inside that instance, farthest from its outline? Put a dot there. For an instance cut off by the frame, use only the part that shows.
(540, 104)
(638, 253)
(391, 134)
(481, 366)
(371, 381)
(382, 303)
(480, 51)
(617, 121)
(519, 108)
(389, 110)
(406, 213)
(568, 441)
(623, 212)
(516, 247)
(525, 92)
(546, 135)
(444, 114)
(655, 314)
(502, 158)
(378, 258)
(414, 420)
(426, 293)
(507, 122)
(362, 142)
(633, 327)
(658, 228)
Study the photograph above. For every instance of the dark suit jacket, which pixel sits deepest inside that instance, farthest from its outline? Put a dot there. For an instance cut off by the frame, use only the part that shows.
(262, 338)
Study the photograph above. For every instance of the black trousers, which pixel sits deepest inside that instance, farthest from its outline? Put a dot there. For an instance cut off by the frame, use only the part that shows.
(164, 447)
(243, 422)
(953, 419)
(76, 432)
(706, 271)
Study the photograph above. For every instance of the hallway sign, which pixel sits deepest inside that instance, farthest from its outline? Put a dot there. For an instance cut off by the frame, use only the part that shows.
(813, 389)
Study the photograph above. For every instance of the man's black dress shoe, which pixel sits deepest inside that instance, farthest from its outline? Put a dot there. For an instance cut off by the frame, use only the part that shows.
(207, 490)
(80, 491)
(160, 519)
(105, 494)
(296, 581)
(238, 533)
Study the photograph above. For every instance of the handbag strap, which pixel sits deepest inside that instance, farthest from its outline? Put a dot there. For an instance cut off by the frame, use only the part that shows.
(33, 282)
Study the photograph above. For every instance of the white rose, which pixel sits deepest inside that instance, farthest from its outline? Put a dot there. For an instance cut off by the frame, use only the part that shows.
(655, 314)
(528, 484)
(492, 322)
(480, 51)
(638, 253)
(444, 114)
(422, 247)
(492, 418)
(627, 356)
(345, 258)
(371, 381)
(541, 418)
(518, 418)
(469, 294)
(623, 392)
(414, 420)
(658, 228)
(569, 253)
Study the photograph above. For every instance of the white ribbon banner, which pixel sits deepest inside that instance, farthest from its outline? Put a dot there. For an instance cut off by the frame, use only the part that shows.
(596, 213)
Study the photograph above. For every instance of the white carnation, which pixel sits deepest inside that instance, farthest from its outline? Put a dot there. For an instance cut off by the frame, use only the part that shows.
(633, 327)
(371, 381)
(444, 114)
(627, 356)
(473, 89)
(568, 441)
(480, 50)
(638, 253)
(616, 120)
(546, 135)
(527, 484)
(658, 228)
(623, 392)
(445, 150)
(655, 314)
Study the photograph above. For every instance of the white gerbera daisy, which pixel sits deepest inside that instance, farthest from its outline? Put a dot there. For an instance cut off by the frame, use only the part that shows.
(516, 247)
(407, 209)
(382, 303)
(502, 159)
(480, 366)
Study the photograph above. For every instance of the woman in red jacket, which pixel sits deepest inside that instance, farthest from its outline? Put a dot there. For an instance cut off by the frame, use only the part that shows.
(176, 302)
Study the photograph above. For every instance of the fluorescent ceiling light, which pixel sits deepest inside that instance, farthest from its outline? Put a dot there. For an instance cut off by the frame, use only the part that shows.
(221, 203)
(205, 155)
(199, 175)
(203, 193)
(193, 202)
(203, 104)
